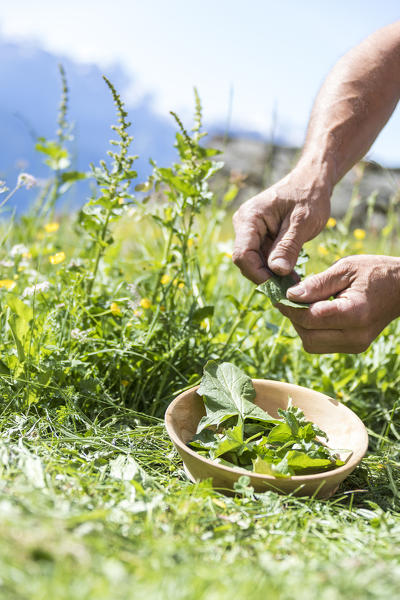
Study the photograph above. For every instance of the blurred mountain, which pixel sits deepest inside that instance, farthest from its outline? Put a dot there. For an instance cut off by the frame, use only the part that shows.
(31, 91)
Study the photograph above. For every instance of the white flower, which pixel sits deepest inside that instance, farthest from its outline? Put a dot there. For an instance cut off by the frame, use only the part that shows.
(79, 334)
(27, 180)
(35, 289)
(18, 250)
(225, 247)
(6, 263)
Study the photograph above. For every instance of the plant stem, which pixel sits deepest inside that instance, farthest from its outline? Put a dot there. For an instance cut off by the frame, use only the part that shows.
(163, 264)
(238, 320)
(100, 252)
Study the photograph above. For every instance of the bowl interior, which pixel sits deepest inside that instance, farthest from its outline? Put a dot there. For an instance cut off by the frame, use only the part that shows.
(344, 429)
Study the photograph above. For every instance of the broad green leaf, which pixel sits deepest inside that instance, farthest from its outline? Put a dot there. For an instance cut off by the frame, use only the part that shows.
(204, 440)
(262, 466)
(228, 391)
(20, 308)
(276, 288)
(280, 433)
(302, 461)
(232, 440)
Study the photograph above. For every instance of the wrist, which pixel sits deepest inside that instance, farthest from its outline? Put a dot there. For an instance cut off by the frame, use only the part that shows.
(321, 166)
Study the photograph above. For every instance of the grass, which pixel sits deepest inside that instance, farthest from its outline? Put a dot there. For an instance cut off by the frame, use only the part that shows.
(135, 297)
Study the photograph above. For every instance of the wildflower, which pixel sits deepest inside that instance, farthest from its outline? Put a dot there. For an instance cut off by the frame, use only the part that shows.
(51, 227)
(162, 308)
(26, 180)
(115, 309)
(359, 234)
(190, 243)
(226, 248)
(18, 250)
(6, 263)
(125, 382)
(331, 222)
(145, 303)
(136, 313)
(7, 283)
(165, 279)
(79, 334)
(57, 258)
(27, 255)
(181, 285)
(121, 201)
(35, 289)
(322, 250)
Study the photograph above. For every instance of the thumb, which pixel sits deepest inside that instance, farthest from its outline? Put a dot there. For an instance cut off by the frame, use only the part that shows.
(321, 286)
(286, 248)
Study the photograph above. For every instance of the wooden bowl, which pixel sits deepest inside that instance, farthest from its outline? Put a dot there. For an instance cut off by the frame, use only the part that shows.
(344, 429)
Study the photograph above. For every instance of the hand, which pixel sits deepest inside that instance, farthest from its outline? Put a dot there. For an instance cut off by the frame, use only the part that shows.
(366, 292)
(272, 227)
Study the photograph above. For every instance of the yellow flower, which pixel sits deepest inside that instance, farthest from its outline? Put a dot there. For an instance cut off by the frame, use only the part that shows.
(331, 222)
(57, 258)
(27, 255)
(165, 279)
(136, 313)
(51, 227)
(228, 254)
(125, 382)
(322, 251)
(359, 234)
(181, 285)
(115, 309)
(121, 201)
(338, 257)
(162, 308)
(190, 243)
(7, 283)
(145, 303)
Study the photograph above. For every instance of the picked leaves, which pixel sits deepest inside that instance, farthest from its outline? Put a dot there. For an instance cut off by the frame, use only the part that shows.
(276, 288)
(237, 432)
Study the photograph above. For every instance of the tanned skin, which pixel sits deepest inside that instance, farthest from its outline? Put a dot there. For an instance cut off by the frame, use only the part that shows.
(353, 105)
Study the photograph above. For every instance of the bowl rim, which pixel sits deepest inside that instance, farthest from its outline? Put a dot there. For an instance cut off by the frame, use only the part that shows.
(350, 465)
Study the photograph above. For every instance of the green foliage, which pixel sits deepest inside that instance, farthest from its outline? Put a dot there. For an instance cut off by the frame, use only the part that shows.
(276, 287)
(94, 500)
(265, 445)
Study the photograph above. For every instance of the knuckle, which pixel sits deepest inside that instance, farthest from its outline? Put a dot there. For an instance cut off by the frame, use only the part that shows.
(238, 256)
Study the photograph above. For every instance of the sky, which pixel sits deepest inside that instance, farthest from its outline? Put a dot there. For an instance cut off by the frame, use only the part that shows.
(257, 64)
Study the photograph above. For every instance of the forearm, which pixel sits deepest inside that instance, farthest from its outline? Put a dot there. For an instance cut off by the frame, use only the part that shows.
(354, 103)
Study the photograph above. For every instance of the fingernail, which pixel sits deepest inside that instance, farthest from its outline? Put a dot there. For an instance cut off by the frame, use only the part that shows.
(297, 290)
(279, 264)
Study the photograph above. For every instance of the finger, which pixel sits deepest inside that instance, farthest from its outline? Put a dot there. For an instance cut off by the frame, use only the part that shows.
(246, 253)
(286, 248)
(327, 341)
(251, 266)
(321, 286)
(340, 313)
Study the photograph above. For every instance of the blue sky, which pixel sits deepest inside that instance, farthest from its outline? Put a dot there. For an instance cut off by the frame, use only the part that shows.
(273, 54)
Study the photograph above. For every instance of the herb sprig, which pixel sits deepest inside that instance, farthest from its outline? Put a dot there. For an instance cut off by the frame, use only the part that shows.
(237, 432)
